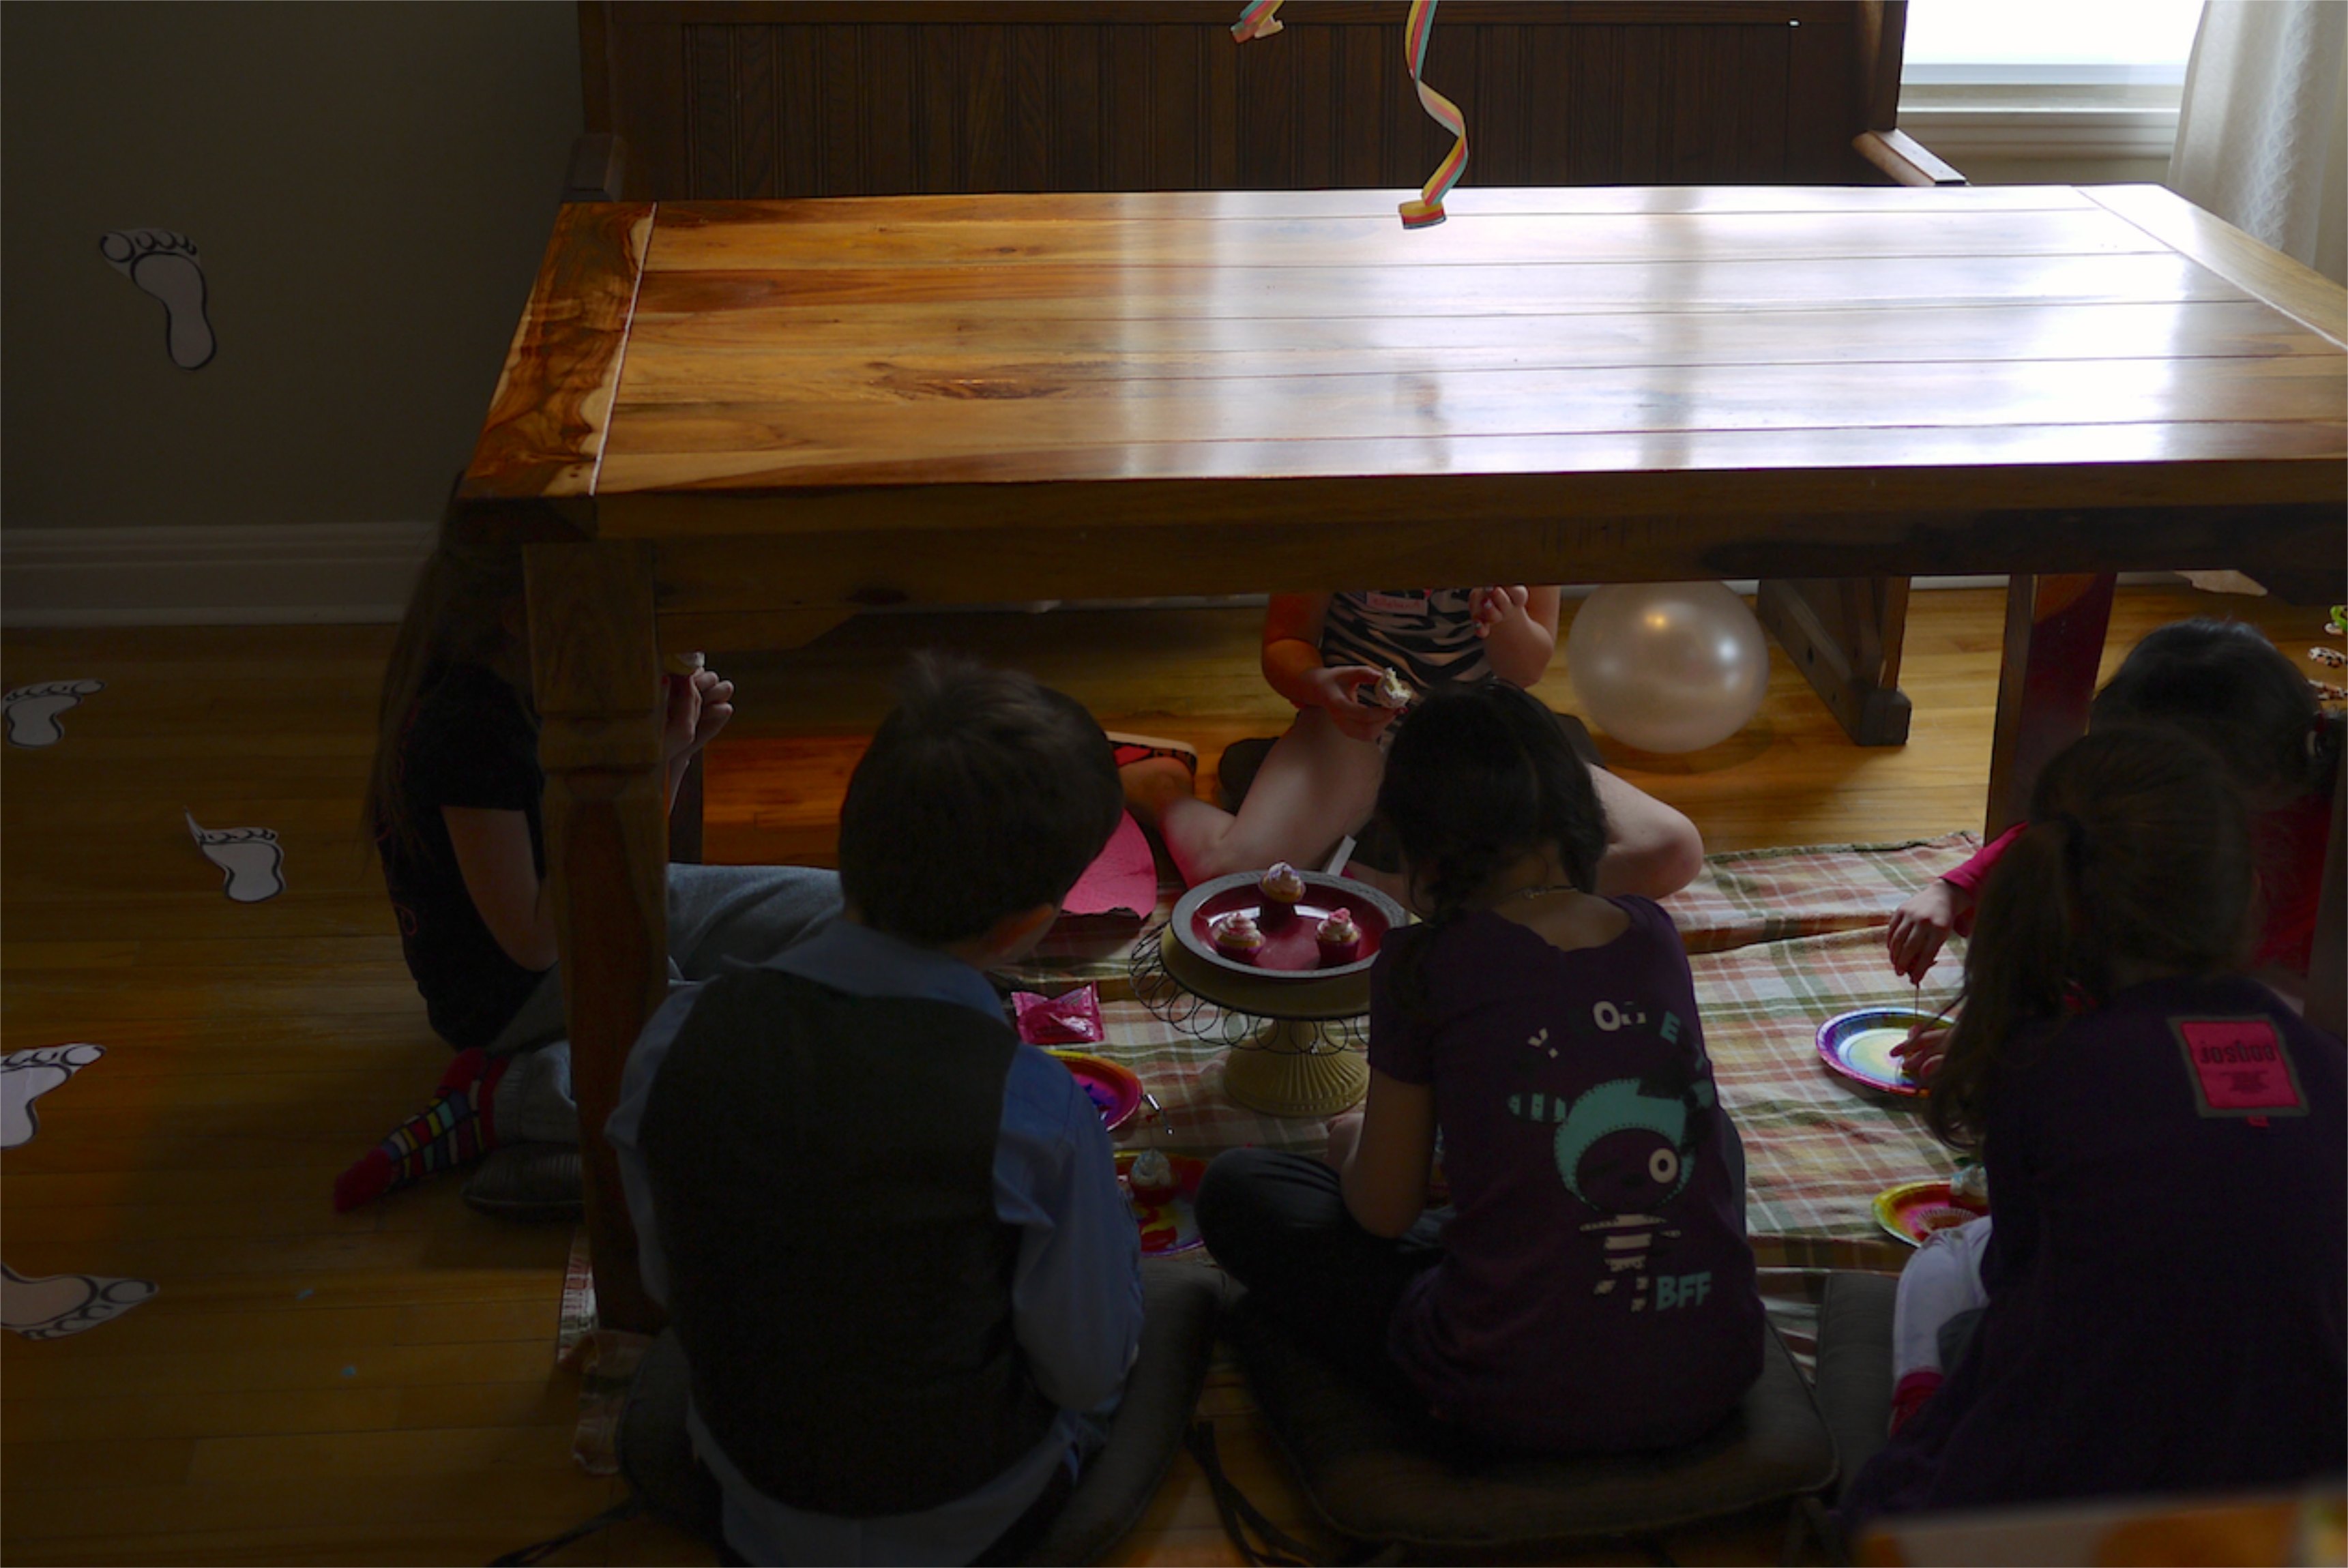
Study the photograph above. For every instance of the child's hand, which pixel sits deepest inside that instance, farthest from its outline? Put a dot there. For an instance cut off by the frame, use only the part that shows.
(1344, 1132)
(1338, 687)
(1491, 606)
(699, 706)
(1920, 925)
(1921, 1051)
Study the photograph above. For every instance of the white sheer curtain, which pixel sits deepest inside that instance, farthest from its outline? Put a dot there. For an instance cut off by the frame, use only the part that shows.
(2263, 131)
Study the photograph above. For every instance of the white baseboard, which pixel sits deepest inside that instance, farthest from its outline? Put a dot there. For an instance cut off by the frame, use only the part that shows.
(354, 573)
(323, 573)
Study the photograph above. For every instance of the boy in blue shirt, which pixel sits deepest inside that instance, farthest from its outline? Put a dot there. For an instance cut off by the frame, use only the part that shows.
(889, 1233)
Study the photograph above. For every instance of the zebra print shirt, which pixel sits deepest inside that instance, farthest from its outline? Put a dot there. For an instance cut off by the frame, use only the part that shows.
(1426, 635)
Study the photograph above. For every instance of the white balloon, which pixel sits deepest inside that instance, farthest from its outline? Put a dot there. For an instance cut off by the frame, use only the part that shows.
(1668, 666)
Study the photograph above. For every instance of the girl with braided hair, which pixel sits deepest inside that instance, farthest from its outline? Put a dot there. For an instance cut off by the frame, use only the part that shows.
(1590, 1288)
(2160, 1280)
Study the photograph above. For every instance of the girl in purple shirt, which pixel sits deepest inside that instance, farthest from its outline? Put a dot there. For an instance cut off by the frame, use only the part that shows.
(2167, 1248)
(1590, 1288)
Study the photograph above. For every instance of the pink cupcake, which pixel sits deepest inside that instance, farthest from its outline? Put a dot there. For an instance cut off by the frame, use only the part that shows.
(1152, 1177)
(1339, 938)
(1239, 939)
(1281, 887)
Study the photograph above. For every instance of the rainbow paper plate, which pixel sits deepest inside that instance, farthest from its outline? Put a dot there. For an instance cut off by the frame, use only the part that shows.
(1859, 1046)
(1914, 1210)
(1169, 1224)
(1114, 1090)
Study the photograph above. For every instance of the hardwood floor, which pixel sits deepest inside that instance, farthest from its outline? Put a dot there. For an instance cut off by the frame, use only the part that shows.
(307, 1386)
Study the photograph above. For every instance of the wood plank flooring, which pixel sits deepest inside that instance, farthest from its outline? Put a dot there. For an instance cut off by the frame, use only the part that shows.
(380, 1387)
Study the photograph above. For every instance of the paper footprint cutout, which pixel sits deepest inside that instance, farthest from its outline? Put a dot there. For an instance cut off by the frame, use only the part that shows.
(26, 1075)
(250, 856)
(65, 1304)
(166, 265)
(33, 709)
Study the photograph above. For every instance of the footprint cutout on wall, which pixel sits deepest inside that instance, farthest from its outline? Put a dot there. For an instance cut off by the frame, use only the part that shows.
(166, 265)
(26, 1075)
(254, 862)
(65, 1304)
(33, 709)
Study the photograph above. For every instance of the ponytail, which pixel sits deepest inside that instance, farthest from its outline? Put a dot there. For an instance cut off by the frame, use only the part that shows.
(2136, 858)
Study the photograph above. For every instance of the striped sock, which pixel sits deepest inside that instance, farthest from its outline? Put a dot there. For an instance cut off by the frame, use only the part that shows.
(458, 1127)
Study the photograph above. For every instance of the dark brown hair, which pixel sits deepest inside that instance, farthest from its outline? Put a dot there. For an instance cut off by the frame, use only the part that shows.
(1478, 777)
(2223, 682)
(983, 793)
(456, 615)
(2138, 854)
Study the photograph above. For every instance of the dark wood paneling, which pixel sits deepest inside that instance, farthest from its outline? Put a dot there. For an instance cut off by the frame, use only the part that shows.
(750, 100)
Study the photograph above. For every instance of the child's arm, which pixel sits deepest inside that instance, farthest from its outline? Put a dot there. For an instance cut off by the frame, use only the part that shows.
(494, 855)
(1076, 1286)
(1922, 925)
(1519, 626)
(1383, 1154)
(1924, 922)
(1292, 665)
(698, 707)
(493, 847)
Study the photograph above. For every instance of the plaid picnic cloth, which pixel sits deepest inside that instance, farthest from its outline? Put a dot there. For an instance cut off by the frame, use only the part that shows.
(1741, 897)
(1817, 1147)
(1751, 896)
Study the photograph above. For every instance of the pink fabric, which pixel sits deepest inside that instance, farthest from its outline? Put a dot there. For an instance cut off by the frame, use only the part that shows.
(2287, 844)
(1122, 879)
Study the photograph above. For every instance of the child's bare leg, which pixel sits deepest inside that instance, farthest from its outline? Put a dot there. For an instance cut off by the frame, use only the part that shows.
(1316, 785)
(1650, 849)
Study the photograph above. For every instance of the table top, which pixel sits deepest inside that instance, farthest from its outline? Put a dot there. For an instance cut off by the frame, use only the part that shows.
(1744, 380)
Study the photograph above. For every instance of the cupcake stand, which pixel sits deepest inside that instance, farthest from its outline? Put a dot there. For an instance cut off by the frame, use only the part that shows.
(1294, 1025)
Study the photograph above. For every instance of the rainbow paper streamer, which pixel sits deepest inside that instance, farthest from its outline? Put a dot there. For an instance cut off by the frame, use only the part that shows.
(1259, 20)
(1427, 210)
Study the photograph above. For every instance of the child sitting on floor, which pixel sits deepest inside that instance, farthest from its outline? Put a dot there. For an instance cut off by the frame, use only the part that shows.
(890, 1234)
(2164, 1272)
(2225, 684)
(453, 808)
(1592, 1289)
(1326, 652)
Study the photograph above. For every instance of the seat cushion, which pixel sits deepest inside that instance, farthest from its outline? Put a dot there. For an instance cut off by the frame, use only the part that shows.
(1855, 1364)
(1181, 1302)
(1379, 1474)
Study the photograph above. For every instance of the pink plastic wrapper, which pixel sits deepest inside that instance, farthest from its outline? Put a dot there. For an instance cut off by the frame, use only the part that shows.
(1072, 1018)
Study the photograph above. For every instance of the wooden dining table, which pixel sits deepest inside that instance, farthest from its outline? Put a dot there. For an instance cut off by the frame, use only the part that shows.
(731, 426)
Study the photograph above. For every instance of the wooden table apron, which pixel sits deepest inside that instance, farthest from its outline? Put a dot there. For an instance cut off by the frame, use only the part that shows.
(733, 424)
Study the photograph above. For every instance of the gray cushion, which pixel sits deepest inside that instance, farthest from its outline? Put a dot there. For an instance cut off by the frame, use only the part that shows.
(1378, 1474)
(1181, 1301)
(1855, 1363)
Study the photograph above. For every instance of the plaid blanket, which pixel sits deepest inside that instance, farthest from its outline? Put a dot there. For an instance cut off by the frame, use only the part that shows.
(1739, 898)
(1817, 1147)
(1781, 940)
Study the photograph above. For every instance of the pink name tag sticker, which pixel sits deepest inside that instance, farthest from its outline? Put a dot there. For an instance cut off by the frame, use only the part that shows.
(1395, 602)
(2239, 1066)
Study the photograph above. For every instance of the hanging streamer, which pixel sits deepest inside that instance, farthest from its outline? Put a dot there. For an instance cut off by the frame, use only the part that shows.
(1260, 19)
(1427, 210)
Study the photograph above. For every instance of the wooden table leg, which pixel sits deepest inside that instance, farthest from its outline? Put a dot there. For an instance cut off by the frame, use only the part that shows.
(2054, 645)
(596, 671)
(1844, 634)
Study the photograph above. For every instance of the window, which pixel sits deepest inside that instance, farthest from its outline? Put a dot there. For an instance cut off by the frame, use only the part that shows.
(2038, 79)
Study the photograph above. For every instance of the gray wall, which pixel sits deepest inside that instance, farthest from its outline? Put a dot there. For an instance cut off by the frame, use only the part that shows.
(370, 186)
